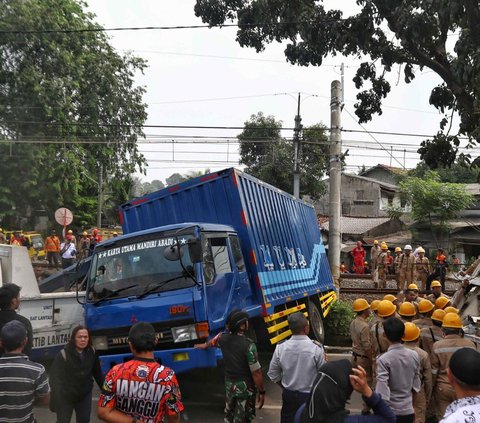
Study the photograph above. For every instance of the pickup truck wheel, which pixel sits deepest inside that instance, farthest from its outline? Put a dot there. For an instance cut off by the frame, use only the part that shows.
(316, 323)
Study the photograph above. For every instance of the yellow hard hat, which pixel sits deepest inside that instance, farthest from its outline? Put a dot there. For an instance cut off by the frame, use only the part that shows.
(441, 302)
(84, 233)
(365, 262)
(375, 242)
(413, 287)
(390, 297)
(115, 233)
(398, 250)
(420, 250)
(384, 246)
(374, 305)
(360, 304)
(407, 309)
(411, 333)
(438, 315)
(1, 230)
(386, 308)
(451, 309)
(435, 284)
(424, 306)
(452, 320)
(70, 231)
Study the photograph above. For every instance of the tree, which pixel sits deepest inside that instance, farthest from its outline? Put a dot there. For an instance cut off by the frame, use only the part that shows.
(174, 179)
(270, 157)
(434, 201)
(68, 103)
(391, 35)
(459, 173)
(195, 173)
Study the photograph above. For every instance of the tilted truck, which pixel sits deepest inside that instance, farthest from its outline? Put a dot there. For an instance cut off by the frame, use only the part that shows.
(193, 252)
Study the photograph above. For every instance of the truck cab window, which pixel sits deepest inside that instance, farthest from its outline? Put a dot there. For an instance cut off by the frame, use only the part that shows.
(215, 258)
(237, 253)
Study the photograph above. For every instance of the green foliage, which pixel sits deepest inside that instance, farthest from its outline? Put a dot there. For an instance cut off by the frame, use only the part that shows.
(270, 157)
(175, 178)
(459, 173)
(68, 103)
(406, 35)
(394, 212)
(432, 199)
(337, 322)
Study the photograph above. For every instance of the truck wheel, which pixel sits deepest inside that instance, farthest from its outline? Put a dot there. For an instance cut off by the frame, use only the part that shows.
(316, 323)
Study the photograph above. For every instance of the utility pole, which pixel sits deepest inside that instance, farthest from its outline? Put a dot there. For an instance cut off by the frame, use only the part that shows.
(297, 151)
(100, 196)
(334, 238)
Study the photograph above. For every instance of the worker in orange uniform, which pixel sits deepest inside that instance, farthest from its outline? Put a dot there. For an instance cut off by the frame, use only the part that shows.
(358, 254)
(442, 351)
(440, 269)
(52, 248)
(421, 398)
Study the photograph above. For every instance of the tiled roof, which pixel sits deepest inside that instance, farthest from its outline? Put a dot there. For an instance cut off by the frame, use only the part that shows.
(357, 225)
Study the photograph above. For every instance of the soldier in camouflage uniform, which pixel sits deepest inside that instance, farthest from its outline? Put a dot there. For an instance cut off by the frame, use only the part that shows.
(243, 373)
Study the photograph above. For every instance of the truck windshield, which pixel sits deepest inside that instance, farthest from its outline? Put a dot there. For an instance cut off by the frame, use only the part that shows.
(135, 268)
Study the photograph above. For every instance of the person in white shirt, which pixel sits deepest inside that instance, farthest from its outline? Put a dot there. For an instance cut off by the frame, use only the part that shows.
(464, 375)
(68, 251)
(294, 366)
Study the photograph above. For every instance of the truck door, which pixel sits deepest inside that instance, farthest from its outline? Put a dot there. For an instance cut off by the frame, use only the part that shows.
(226, 286)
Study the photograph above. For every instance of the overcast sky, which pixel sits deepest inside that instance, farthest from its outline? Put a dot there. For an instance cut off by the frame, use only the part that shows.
(202, 77)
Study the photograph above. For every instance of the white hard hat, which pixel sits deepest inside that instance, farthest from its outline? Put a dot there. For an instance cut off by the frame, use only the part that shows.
(407, 247)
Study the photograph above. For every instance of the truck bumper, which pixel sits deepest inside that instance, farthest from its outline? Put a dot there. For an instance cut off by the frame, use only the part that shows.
(180, 360)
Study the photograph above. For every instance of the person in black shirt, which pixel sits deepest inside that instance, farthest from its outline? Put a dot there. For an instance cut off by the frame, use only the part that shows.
(9, 302)
(243, 373)
(71, 378)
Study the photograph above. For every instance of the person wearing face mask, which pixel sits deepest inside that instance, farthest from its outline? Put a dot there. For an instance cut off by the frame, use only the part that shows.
(71, 378)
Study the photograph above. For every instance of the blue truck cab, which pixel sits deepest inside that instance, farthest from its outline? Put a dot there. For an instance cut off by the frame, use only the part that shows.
(192, 253)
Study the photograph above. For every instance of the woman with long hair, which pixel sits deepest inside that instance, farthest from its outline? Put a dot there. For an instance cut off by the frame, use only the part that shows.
(71, 378)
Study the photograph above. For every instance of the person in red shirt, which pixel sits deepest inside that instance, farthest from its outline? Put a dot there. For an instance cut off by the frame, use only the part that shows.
(358, 254)
(140, 390)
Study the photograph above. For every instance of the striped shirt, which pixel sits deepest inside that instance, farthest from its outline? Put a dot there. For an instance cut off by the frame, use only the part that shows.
(21, 382)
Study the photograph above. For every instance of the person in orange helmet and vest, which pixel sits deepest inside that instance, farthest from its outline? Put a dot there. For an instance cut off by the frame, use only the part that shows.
(52, 248)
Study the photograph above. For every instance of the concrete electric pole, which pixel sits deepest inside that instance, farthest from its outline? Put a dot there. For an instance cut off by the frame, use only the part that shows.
(297, 151)
(334, 238)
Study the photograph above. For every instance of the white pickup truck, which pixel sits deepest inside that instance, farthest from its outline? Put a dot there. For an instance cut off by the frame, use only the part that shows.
(52, 315)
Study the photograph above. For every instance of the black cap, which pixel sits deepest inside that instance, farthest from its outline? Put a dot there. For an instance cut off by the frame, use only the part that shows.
(13, 333)
(465, 366)
(141, 331)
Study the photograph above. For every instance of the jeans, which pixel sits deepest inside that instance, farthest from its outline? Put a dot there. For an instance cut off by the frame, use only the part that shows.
(291, 401)
(82, 409)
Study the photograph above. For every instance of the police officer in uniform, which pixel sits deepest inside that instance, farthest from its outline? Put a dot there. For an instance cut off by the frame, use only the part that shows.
(443, 391)
(423, 268)
(361, 341)
(408, 271)
(421, 398)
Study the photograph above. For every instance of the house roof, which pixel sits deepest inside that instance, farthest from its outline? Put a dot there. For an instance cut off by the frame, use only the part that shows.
(357, 225)
(385, 185)
(392, 169)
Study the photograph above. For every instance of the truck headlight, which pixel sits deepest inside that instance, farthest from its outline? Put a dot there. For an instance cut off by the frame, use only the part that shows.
(184, 333)
(100, 343)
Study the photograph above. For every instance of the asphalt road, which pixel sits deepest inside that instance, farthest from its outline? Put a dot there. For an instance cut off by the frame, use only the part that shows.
(202, 392)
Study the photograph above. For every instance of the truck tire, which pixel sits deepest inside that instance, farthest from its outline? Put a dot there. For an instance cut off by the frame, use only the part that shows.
(317, 331)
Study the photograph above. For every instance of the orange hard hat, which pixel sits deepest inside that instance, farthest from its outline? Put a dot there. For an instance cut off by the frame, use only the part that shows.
(451, 309)
(438, 315)
(407, 309)
(390, 297)
(441, 302)
(374, 305)
(360, 304)
(424, 306)
(452, 320)
(411, 333)
(386, 308)
(95, 231)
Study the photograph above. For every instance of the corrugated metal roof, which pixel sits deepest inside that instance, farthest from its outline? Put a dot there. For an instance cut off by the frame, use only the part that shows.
(357, 225)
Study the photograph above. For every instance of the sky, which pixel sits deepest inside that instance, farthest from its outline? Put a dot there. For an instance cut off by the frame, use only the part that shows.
(202, 77)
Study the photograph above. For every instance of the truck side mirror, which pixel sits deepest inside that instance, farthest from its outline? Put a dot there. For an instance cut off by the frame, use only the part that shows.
(195, 250)
(172, 253)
